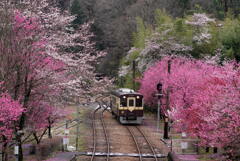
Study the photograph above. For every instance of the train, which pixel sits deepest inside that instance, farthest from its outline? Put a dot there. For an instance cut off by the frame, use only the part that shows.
(127, 106)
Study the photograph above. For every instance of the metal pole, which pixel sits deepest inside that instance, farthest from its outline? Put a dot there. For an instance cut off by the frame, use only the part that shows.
(165, 136)
(158, 114)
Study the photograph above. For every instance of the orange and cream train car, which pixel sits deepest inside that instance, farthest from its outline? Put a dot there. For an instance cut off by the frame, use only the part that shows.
(127, 106)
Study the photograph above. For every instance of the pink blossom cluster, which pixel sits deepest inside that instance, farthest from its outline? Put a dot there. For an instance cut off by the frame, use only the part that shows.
(36, 69)
(10, 111)
(204, 98)
(39, 71)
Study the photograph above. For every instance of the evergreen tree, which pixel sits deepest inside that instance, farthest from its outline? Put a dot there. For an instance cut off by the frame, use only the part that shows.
(76, 9)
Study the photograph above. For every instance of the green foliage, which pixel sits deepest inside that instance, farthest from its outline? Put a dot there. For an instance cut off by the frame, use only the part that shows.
(203, 49)
(124, 61)
(169, 27)
(142, 33)
(229, 15)
(219, 10)
(179, 26)
(205, 40)
(208, 47)
(198, 8)
(214, 42)
(230, 38)
(229, 53)
(127, 80)
(184, 3)
(182, 31)
(163, 21)
(132, 56)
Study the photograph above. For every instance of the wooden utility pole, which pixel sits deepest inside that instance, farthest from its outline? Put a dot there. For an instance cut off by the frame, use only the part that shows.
(121, 82)
(134, 75)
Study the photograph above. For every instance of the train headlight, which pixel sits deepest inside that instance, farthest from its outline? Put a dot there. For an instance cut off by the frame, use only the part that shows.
(138, 97)
(124, 96)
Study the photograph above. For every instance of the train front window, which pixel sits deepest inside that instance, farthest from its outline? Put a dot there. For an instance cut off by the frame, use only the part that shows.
(139, 102)
(130, 102)
(123, 102)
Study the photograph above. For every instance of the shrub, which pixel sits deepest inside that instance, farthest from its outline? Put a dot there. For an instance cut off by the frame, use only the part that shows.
(47, 146)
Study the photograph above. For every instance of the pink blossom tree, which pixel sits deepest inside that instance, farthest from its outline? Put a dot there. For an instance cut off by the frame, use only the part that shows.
(37, 65)
(42, 119)
(200, 98)
(10, 111)
(28, 72)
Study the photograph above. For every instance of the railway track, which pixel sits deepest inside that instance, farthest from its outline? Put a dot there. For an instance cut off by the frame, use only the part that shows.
(71, 124)
(97, 118)
(142, 143)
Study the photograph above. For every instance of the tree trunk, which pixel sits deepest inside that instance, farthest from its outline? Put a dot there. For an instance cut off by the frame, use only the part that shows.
(4, 150)
(23, 117)
(225, 6)
(20, 154)
(17, 86)
(36, 137)
(49, 132)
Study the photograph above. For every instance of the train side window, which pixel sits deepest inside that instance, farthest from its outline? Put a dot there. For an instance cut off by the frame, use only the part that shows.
(139, 102)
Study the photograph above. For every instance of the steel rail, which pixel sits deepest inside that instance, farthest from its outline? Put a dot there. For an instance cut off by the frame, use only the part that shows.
(94, 133)
(104, 130)
(68, 128)
(149, 144)
(106, 135)
(64, 124)
(137, 144)
(135, 141)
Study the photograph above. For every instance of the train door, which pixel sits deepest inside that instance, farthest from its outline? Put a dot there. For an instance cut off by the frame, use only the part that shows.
(114, 105)
(131, 103)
